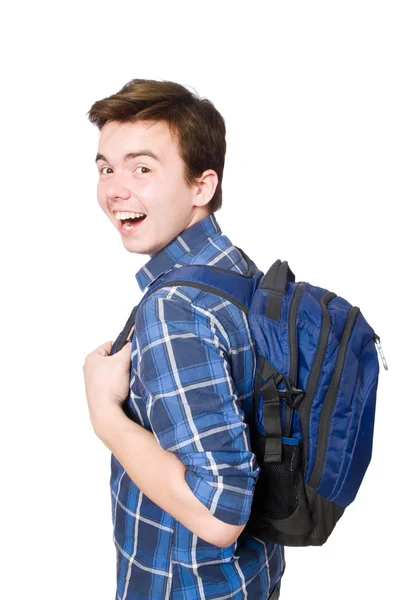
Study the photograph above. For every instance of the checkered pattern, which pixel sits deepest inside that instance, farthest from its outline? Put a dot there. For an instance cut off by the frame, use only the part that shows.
(192, 367)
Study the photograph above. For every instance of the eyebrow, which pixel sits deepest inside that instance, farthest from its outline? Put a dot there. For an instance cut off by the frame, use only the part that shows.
(130, 155)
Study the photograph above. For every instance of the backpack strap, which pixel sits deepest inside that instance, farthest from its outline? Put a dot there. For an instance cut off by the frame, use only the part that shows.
(231, 285)
(271, 414)
(127, 330)
(275, 282)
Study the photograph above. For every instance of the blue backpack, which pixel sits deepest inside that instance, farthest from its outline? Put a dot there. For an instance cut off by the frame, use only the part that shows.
(314, 396)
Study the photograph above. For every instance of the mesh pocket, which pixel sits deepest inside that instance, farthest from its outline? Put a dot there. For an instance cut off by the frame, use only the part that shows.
(277, 492)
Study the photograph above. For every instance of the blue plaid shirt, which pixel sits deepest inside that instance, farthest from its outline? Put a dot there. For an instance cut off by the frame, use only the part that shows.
(192, 368)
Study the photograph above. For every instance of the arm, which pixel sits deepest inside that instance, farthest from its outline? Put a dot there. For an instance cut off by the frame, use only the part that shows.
(183, 375)
(161, 476)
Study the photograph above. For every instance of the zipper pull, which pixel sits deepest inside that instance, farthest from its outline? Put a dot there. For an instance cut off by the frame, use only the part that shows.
(379, 349)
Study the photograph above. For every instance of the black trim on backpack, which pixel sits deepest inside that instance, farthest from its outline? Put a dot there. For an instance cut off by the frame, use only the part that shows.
(315, 372)
(325, 515)
(310, 524)
(293, 349)
(293, 342)
(330, 399)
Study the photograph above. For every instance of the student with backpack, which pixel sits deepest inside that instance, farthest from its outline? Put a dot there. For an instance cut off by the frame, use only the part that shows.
(229, 394)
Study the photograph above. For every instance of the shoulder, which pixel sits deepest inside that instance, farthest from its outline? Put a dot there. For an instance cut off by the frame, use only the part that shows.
(220, 252)
(191, 308)
(178, 308)
(183, 308)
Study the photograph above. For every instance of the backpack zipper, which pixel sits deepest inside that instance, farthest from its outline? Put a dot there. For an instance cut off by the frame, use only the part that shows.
(314, 376)
(330, 399)
(293, 349)
(293, 344)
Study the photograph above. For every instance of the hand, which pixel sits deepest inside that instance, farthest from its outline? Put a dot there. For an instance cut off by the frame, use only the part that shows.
(107, 382)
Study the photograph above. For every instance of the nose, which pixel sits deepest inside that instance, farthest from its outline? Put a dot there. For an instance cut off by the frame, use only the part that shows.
(117, 188)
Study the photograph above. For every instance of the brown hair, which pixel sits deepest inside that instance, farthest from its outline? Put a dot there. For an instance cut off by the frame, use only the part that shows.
(198, 126)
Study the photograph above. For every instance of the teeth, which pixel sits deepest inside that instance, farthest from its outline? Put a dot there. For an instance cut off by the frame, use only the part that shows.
(128, 215)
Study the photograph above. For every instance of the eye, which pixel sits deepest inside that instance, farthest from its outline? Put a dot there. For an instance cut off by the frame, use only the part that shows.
(102, 168)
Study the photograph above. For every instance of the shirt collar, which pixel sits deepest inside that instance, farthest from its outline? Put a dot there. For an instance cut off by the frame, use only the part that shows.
(168, 256)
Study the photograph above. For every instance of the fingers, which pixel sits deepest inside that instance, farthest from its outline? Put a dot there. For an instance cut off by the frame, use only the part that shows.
(105, 349)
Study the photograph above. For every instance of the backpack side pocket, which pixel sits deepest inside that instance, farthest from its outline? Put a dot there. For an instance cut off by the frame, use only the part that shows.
(280, 512)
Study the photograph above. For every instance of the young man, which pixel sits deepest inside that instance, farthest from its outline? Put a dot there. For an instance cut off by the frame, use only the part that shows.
(183, 474)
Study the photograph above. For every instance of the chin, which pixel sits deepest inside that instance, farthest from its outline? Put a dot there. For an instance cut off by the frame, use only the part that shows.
(134, 248)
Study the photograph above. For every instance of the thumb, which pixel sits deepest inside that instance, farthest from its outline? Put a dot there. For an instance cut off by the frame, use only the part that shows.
(125, 352)
(104, 349)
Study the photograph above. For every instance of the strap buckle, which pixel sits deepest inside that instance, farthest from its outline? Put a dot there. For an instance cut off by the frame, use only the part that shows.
(292, 395)
(272, 396)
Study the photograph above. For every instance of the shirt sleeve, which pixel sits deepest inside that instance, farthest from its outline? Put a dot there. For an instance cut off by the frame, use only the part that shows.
(192, 403)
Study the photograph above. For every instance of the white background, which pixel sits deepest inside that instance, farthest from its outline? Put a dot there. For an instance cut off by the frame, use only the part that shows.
(308, 92)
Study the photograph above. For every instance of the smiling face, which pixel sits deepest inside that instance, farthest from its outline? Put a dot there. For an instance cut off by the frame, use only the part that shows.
(130, 181)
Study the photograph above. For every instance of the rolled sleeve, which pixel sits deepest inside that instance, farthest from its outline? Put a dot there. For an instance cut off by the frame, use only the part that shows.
(192, 403)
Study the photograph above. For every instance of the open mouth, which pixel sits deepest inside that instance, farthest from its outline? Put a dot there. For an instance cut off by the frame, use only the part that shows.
(130, 223)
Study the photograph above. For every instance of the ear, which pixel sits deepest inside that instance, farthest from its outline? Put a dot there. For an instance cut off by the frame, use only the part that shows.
(205, 188)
